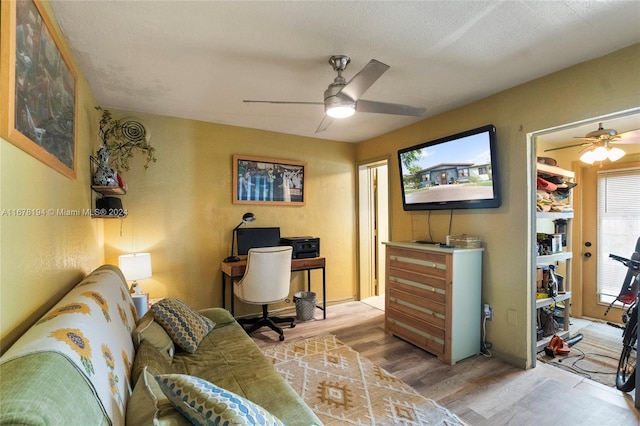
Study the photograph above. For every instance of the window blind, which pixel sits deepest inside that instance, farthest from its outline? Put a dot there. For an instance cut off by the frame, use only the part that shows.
(618, 226)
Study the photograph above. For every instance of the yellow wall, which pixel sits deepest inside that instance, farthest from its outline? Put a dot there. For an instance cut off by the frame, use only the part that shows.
(601, 86)
(43, 257)
(180, 208)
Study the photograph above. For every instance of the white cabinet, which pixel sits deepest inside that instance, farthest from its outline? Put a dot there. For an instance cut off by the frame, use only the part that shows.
(433, 298)
(561, 209)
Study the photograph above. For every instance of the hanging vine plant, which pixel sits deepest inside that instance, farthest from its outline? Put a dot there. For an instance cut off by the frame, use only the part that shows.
(123, 139)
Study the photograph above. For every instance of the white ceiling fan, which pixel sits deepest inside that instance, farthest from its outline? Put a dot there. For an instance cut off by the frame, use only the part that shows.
(598, 144)
(342, 98)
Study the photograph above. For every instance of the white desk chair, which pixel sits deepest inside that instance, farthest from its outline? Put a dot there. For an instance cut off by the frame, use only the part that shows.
(266, 280)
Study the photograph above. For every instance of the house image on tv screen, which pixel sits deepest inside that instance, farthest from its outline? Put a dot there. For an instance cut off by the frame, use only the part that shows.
(454, 173)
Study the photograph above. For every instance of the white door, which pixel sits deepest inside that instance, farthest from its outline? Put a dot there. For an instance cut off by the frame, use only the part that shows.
(373, 226)
(611, 224)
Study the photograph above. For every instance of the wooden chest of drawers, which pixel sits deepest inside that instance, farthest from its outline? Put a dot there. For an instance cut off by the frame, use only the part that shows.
(433, 298)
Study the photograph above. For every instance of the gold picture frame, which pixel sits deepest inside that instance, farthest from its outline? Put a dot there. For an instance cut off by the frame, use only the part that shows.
(38, 86)
(268, 181)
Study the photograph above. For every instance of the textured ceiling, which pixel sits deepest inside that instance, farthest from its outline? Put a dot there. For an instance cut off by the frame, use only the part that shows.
(200, 59)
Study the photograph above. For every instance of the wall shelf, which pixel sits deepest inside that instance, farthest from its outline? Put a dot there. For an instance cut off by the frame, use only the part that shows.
(541, 303)
(104, 191)
(546, 169)
(554, 215)
(109, 190)
(555, 257)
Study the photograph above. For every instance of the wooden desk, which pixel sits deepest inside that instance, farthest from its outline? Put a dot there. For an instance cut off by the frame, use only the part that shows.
(236, 270)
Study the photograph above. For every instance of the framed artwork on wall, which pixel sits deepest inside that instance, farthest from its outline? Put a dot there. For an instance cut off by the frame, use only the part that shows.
(259, 180)
(38, 86)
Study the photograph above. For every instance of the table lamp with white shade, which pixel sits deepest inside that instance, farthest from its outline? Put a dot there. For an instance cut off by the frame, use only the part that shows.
(134, 267)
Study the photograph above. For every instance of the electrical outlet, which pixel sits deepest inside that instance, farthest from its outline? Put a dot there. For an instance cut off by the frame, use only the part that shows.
(488, 312)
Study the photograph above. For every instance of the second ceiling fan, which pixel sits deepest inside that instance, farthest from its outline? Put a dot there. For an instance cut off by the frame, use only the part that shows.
(342, 98)
(598, 144)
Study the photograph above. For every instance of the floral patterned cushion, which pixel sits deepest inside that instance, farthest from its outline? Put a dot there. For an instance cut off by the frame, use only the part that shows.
(91, 327)
(204, 403)
(186, 327)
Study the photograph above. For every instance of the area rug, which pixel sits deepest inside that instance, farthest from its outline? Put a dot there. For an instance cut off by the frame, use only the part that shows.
(595, 356)
(344, 388)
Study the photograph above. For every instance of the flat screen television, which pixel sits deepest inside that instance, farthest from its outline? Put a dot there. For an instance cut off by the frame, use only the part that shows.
(456, 172)
(249, 238)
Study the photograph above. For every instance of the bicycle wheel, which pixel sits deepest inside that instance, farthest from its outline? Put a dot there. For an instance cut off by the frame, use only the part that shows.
(626, 375)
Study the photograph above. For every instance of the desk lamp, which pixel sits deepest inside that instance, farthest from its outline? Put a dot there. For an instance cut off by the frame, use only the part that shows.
(246, 218)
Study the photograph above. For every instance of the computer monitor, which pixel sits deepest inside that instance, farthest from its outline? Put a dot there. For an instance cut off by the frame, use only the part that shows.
(249, 238)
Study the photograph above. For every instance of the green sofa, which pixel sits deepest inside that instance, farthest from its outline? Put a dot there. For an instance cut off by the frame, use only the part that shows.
(89, 362)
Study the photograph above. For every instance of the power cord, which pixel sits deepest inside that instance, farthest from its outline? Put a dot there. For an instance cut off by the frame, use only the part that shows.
(485, 346)
(574, 368)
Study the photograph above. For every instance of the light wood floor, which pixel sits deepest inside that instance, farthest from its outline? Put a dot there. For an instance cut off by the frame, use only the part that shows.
(480, 390)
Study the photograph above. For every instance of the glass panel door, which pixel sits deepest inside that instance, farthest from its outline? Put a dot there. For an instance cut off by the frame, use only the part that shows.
(618, 226)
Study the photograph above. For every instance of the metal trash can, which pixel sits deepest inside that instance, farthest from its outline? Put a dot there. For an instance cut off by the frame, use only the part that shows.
(305, 305)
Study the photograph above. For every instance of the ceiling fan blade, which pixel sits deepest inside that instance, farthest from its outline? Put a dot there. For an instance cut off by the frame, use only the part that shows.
(630, 137)
(388, 108)
(630, 134)
(282, 102)
(324, 124)
(568, 146)
(627, 141)
(364, 79)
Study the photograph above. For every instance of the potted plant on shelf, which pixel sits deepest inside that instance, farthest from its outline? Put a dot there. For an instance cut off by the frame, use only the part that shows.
(122, 139)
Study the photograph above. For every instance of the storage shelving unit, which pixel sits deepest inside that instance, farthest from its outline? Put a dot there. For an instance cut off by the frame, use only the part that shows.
(565, 256)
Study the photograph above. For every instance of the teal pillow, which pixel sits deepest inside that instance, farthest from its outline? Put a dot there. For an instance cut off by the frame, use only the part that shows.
(186, 327)
(204, 403)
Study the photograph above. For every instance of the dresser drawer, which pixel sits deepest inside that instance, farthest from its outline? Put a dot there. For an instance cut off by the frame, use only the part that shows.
(417, 285)
(429, 311)
(417, 324)
(411, 334)
(419, 274)
(425, 257)
(437, 270)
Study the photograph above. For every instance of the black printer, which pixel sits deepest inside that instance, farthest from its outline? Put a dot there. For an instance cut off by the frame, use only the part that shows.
(303, 247)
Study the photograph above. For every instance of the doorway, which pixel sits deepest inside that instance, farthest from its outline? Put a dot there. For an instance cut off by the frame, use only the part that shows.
(563, 144)
(373, 230)
(610, 224)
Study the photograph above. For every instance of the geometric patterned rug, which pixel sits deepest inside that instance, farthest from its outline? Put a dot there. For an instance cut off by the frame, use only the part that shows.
(344, 388)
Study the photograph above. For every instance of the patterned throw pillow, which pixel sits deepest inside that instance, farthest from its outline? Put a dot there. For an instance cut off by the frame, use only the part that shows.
(186, 327)
(204, 403)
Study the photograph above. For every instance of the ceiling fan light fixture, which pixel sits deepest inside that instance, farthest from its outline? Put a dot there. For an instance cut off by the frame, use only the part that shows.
(600, 153)
(588, 157)
(615, 154)
(341, 111)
